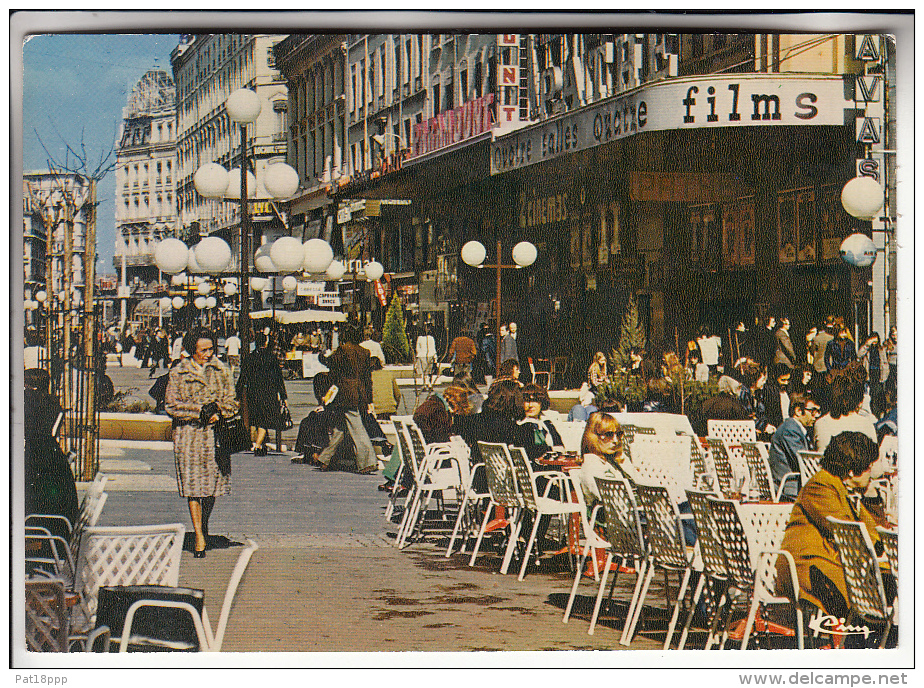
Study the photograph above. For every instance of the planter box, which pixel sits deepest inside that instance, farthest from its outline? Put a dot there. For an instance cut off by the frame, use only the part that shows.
(135, 426)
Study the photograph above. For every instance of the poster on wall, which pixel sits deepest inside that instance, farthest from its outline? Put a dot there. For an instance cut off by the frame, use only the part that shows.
(805, 213)
(786, 224)
(747, 239)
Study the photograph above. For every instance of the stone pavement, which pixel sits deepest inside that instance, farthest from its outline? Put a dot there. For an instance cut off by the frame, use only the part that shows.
(327, 576)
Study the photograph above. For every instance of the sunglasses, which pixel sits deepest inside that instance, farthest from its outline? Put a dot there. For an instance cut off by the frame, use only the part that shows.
(814, 410)
(607, 436)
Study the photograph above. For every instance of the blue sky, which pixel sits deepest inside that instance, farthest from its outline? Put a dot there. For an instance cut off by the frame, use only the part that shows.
(76, 86)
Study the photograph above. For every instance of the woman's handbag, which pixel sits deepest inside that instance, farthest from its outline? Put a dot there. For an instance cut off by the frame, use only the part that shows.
(231, 436)
(285, 418)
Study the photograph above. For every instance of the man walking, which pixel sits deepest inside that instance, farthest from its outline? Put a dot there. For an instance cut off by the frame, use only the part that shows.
(351, 372)
(462, 352)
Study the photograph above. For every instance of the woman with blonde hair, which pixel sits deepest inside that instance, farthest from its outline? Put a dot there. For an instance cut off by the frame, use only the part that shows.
(602, 452)
(597, 373)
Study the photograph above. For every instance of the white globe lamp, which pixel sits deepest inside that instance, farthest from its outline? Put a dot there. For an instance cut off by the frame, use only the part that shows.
(234, 184)
(244, 106)
(41, 296)
(862, 197)
(178, 280)
(287, 254)
(335, 271)
(258, 283)
(289, 283)
(204, 288)
(524, 254)
(200, 302)
(213, 255)
(318, 255)
(262, 259)
(858, 250)
(374, 270)
(178, 302)
(280, 180)
(171, 256)
(474, 253)
(211, 180)
(211, 302)
(192, 263)
(230, 289)
(165, 302)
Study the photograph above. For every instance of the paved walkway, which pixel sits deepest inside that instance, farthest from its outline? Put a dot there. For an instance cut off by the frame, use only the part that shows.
(327, 576)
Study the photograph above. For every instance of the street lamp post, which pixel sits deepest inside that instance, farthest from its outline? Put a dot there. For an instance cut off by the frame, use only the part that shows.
(474, 254)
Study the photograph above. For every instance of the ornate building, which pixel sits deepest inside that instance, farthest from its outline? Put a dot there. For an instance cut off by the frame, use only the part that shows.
(145, 177)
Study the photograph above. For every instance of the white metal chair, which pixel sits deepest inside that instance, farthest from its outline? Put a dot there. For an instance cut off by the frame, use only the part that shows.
(809, 464)
(624, 532)
(730, 476)
(733, 431)
(440, 470)
(124, 555)
(889, 539)
(751, 535)
(662, 461)
(865, 591)
(467, 508)
(761, 477)
(713, 582)
(502, 484)
(667, 549)
(540, 505)
(206, 640)
(47, 617)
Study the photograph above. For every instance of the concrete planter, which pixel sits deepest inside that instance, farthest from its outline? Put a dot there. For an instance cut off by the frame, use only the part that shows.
(135, 426)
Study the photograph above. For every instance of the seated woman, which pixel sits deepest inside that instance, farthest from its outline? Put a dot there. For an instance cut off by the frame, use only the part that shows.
(581, 411)
(497, 422)
(845, 407)
(542, 435)
(834, 491)
(601, 448)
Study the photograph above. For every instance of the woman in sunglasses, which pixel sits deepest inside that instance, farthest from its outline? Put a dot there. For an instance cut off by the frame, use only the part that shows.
(542, 436)
(601, 448)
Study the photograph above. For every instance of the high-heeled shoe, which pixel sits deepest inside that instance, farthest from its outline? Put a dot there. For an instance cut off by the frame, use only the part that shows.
(198, 554)
(260, 451)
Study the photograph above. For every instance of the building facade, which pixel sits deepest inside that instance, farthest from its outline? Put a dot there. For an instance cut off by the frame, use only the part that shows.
(145, 177)
(207, 68)
(699, 173)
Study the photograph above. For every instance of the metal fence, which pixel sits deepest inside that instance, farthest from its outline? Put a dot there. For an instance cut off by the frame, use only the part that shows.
(76, 364)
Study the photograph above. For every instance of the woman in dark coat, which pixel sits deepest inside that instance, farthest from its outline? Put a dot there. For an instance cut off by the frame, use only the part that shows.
(50, 486)
(265, 390)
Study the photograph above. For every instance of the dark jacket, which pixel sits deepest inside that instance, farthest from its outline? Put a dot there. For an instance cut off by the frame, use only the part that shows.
(261, 381)
(351, 370)
(488, 426)
(773, 406)
(537, 442)
(839, 353)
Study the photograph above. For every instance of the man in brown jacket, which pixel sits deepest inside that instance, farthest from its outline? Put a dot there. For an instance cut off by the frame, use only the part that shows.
(462, 352)
(351, 373)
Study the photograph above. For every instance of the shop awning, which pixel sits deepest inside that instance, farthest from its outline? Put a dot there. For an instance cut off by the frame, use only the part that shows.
(293, 317)
(151, 308)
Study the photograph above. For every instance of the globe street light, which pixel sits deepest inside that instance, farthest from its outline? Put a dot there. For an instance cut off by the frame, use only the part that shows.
(474, 253)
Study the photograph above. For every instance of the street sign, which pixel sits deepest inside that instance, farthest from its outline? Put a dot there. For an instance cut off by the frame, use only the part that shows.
(329, 298)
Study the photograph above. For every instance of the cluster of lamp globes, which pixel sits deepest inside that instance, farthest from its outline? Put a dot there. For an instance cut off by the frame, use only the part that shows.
(286, 255)
(42, 296)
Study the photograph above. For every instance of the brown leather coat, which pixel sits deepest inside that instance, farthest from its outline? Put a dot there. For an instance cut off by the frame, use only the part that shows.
(351, 370)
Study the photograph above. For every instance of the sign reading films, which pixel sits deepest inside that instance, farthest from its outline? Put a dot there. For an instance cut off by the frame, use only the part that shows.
(689, 103)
